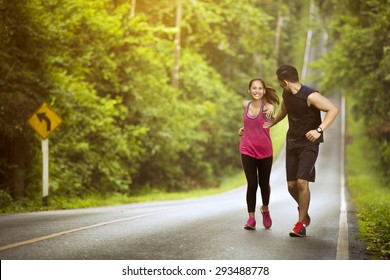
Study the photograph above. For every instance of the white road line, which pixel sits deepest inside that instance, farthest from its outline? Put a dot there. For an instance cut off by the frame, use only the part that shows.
(45, 237)
(342, 242)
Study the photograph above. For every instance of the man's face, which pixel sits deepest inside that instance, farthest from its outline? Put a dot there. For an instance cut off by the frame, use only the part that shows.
(283, 84)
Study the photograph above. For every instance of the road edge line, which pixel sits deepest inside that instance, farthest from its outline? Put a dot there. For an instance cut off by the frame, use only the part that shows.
(53, 235)
(342, 242)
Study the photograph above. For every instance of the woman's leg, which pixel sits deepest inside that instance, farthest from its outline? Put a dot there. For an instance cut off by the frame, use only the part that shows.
(249, 165)
(264, 171)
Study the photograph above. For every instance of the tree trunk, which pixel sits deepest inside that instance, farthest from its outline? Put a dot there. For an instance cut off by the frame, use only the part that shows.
(17, 159)
(133, 4)
(278, 33)
(175, 72)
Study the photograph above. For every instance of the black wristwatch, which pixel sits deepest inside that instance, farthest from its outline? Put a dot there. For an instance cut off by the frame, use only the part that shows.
(319, 130)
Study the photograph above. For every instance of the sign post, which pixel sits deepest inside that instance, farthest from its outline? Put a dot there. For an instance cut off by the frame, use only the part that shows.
(45, 171)
(44, 120)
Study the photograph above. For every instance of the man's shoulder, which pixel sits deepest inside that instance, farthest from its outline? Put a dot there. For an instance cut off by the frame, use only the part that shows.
(305, 91)
(308, 90)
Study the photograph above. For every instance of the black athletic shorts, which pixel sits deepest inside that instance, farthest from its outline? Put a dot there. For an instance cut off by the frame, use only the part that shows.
(300, 163)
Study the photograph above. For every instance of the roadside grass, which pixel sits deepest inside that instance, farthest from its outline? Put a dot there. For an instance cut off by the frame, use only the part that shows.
(98, 200)
(369, 191)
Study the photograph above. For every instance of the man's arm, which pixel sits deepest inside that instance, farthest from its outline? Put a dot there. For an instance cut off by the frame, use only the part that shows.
(324, 104)
(282, 113)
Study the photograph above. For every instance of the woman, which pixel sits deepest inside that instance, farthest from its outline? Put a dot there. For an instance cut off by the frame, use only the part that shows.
(256, 148)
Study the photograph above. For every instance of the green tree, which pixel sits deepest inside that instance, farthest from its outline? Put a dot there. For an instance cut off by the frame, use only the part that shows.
(107, 72)
(359, 62)
(24, 49)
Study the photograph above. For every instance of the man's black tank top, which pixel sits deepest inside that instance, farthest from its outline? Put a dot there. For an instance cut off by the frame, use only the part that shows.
(301, 117)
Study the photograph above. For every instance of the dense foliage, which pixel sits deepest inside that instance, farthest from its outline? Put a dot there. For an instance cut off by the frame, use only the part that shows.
(107, 72)
(359, 63)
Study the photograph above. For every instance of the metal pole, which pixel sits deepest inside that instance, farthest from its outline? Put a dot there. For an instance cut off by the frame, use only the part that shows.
(45, 172)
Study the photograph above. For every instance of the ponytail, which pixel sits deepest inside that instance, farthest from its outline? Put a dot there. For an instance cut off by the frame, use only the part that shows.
(271, 95)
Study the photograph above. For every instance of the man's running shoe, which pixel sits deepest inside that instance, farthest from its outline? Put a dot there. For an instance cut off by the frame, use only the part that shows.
(250, 224)
(307, 220)
(298, 231)
(267, 221)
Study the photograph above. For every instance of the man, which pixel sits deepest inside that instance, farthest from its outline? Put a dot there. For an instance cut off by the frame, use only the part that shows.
(303, 106)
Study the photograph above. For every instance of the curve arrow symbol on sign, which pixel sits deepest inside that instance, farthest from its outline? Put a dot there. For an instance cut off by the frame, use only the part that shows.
(44, 120)
(41, 117)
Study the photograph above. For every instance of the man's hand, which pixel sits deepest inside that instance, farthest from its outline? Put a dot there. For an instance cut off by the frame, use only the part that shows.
(270, 123)
(313, 135)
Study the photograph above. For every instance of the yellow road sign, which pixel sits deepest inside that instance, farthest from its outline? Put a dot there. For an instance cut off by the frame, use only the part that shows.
(44, 121)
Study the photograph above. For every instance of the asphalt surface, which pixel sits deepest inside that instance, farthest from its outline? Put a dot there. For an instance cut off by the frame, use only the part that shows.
(207, 228)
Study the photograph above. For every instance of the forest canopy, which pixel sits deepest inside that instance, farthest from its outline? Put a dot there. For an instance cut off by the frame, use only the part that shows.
(108, 69)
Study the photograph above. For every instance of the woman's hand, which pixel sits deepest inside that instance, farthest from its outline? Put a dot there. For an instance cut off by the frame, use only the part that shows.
(241, 131)
(269, 111)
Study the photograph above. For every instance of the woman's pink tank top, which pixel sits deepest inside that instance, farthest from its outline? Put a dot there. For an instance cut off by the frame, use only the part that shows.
(256, 141)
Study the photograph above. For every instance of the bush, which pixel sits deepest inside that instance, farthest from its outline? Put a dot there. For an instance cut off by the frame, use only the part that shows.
(5, 199)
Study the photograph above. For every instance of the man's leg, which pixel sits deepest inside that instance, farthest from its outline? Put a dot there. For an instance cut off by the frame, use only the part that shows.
(306, 173)
(304, 199)
(293, 190)
(301, 165)
(291, 172)
(299, 190)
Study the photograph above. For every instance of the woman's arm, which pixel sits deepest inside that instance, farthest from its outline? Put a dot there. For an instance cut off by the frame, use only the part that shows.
(282, 113)
(244, 105)
(269, 110)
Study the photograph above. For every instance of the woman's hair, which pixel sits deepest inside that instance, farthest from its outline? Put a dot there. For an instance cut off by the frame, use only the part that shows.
(270, 95)
(287, 73)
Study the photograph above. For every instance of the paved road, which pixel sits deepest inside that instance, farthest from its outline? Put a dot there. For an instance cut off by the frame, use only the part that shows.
(201, 229)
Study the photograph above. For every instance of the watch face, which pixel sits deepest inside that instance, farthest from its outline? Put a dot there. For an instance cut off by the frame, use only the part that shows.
(319, 130)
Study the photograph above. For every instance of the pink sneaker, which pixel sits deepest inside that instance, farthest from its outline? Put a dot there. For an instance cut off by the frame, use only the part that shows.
(267, 222)
(250, 224)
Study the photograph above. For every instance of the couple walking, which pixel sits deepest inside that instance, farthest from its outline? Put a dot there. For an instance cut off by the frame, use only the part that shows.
(303, 106)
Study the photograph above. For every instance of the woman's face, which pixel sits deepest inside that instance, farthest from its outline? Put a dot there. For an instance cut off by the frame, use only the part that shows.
(256, 90)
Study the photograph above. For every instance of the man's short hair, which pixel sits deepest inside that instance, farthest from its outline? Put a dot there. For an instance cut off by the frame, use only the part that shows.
(288, 73)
